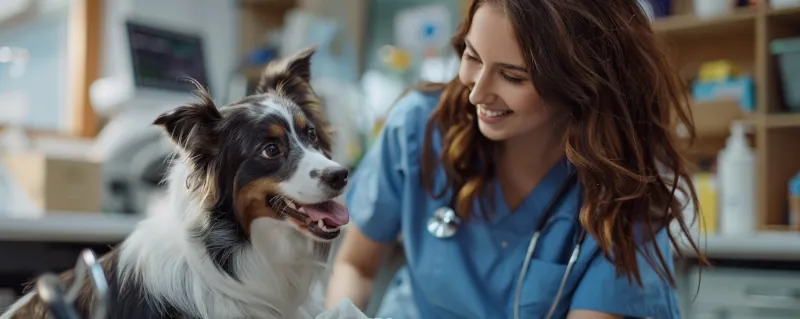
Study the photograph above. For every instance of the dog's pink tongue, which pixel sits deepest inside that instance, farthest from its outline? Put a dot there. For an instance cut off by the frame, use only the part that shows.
(333, 213)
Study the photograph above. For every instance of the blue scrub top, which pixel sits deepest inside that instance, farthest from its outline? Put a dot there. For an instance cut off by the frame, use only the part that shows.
(473, 274)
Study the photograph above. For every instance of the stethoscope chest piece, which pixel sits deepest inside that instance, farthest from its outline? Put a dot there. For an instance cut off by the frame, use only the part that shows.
(444, 223)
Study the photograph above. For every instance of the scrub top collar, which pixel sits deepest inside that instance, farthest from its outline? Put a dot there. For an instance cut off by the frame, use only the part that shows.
(537, 199)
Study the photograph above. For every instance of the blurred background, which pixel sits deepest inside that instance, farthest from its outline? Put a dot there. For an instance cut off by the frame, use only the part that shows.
(80, 81)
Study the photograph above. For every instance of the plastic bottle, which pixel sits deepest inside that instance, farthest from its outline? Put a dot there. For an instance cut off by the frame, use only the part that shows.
(737, 183)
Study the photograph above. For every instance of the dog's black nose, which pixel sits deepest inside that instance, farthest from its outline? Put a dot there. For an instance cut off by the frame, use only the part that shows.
(335, 178)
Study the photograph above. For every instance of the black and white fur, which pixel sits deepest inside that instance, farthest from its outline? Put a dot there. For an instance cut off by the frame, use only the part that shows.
(229, 241)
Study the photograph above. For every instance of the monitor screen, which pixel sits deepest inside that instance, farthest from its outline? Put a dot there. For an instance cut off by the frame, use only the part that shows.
(163, 59)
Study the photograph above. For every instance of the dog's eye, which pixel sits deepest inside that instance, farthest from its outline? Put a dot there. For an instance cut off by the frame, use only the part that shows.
(312, 134)
(271, 151)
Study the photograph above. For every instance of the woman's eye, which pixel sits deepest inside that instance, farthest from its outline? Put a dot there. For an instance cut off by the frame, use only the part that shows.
(512, 79)
(312, 134)
(271, 151)
(470, 57)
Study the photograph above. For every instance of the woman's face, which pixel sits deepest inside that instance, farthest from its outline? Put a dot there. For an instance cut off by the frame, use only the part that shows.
(494, 69)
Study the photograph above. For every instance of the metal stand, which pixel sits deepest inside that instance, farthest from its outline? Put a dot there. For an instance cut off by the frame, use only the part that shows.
(61, 301)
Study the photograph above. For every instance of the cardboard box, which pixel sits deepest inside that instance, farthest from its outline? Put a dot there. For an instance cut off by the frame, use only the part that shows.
(57, 183)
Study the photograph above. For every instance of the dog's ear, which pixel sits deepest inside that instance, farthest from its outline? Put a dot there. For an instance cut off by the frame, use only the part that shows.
(284, 74)
(192, 126)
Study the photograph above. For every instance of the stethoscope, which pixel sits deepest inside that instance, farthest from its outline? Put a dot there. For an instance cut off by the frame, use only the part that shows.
(60, 300)
(445, 223)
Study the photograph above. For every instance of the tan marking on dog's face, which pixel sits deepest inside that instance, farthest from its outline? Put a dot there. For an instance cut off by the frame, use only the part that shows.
(301, 121)
(277, 130)
(251, 202)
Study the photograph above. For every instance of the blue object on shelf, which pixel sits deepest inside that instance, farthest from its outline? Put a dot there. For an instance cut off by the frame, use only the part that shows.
(742, 87)
(261, 56)
(661, 8)
(794, 185)
(656, 8)
(787, 52)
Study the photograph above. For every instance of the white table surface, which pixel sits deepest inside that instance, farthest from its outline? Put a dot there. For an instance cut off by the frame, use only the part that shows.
(767, 245)
(102, 228)
(68, 227)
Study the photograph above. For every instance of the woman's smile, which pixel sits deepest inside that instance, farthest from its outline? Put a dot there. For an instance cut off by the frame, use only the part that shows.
(490, 116)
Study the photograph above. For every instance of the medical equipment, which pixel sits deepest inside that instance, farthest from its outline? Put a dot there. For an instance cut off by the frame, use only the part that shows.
(134, 153)
(60, 301)
(444, 223)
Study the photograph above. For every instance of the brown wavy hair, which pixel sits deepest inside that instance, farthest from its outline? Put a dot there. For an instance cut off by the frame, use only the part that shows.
(603, 65)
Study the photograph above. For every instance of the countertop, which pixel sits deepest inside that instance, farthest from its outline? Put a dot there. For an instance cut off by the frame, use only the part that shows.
(107, 227)
(68, 227)
(765, 245)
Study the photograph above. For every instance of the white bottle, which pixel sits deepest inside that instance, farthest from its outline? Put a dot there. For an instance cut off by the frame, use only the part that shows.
(710, 8)
(737, 183)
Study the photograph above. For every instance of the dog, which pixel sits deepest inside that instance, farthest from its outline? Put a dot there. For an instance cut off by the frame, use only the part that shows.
(249, 214)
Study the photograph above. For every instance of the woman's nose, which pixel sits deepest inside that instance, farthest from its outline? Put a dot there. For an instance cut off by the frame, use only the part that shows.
(481, 90)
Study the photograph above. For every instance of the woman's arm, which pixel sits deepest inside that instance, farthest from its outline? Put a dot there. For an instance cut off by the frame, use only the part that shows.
(375, 200)
(354, 269)
(602, 293)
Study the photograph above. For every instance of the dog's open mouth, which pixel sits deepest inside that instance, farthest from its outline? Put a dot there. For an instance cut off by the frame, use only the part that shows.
(322, 220)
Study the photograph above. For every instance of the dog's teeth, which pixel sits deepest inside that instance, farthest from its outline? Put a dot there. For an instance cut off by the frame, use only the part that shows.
(290, 204)
(301, 209)
(321, 225)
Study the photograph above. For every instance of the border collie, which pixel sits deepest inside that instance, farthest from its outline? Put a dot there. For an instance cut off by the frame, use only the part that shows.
(251, 182)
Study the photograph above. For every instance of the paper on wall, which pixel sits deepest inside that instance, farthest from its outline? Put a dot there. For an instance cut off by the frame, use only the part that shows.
(423, 28)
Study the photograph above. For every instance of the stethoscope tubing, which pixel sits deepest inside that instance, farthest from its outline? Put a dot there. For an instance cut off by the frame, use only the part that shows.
(543, 223)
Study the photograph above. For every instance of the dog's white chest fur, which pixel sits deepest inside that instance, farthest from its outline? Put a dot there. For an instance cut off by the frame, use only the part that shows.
(276, 271)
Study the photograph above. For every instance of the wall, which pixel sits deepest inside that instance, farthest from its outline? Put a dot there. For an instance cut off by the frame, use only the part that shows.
(44, 81)
(46, 38)
(381, 17)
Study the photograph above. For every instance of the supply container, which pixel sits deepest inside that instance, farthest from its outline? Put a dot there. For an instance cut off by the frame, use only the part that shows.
(737, 183)
(708, 200)
(787, 52)
(794, 202)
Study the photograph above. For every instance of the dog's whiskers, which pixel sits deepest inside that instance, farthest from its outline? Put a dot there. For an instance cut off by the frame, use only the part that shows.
(279, 203)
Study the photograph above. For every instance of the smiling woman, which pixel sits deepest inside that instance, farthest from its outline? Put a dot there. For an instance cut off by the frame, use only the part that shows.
(553, 148)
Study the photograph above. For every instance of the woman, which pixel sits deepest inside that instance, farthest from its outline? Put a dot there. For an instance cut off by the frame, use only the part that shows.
(546, 89)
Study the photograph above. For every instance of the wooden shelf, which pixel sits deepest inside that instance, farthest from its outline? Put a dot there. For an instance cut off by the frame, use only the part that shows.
(778, 228)
(688, 25)
(782, 120)
(783, 13)
(258, 17)
(742, 37)
(266, 5)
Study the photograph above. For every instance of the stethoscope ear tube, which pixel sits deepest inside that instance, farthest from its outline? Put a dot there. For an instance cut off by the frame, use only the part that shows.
(60, 301)
(523, 271)
(543, 220)
(572, 259)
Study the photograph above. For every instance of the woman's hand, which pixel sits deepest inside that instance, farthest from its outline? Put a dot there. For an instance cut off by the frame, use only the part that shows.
(356, 264)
